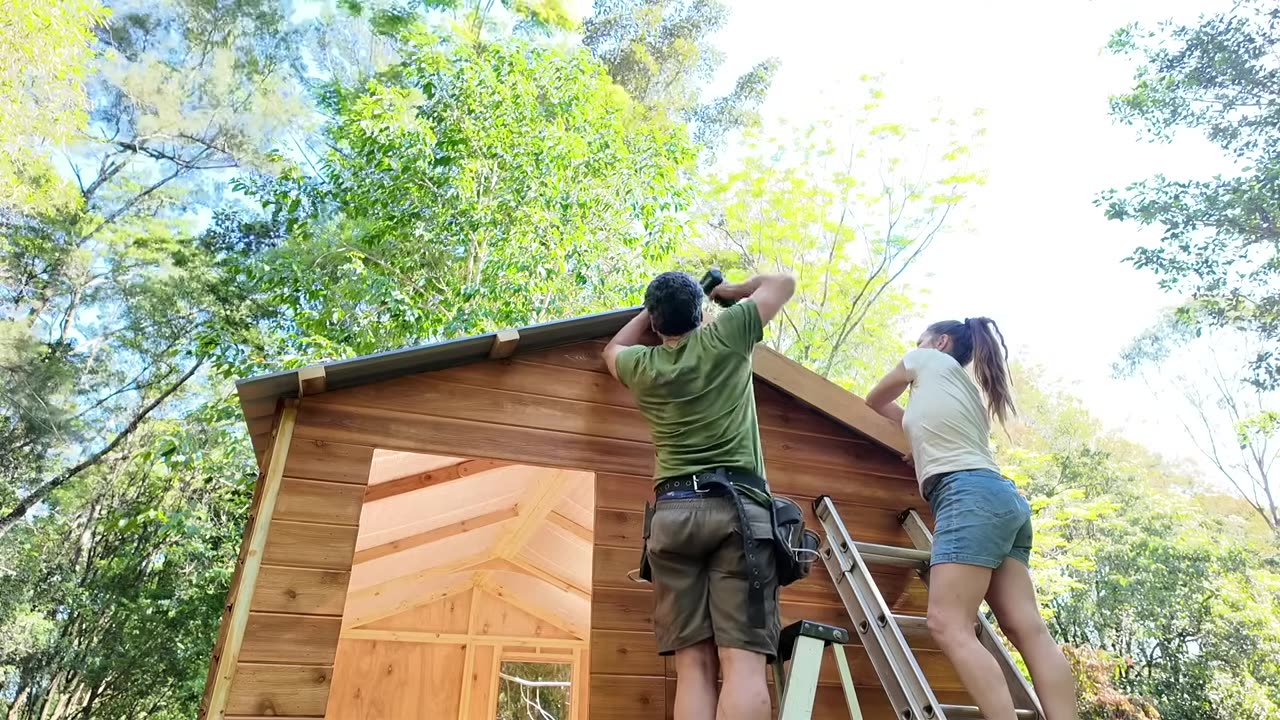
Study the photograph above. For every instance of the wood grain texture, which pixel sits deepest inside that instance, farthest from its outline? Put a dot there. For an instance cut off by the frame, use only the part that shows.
(396, 681)
(827, 397)
(318, 459)
(301, 591)
(426, 395)
(483, 703)
(615, 652)
(320, 501)
(419, 433)
(293, 639)
(494, 616)
(447, 615)
(279, 690)
(310, 545)
(237, 614)
(627, 697)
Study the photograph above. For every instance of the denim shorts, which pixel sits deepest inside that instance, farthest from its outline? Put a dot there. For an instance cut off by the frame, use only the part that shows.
(979, 519)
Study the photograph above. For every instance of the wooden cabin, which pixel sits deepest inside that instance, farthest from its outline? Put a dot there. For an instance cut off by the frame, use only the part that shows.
(424, 517)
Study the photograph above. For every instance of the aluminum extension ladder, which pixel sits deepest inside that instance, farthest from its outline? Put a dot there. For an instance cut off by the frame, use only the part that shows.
(880, 631)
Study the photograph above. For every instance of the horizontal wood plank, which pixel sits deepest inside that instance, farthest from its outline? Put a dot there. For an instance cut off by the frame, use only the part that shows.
(279, 690)
(627, 697)
(307, 545)
(292, 639)
(774, 409)
(615, 652)
(827, 397)
(419, 433)
(423, 394)
(318, 459)
(300, 591)
(625, 610)
(319, 501)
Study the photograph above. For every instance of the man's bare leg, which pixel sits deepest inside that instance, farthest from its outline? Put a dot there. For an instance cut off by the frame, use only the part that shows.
(745, 695)
(697, 668)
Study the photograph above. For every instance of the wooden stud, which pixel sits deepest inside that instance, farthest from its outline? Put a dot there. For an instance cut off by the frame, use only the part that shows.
(549, 492)
(359, 613)
(311, 380)
(434, 534)
(520, 603)
(417, 481)
(259, 527)
(529, 568)
(504, 344)
(579, 678)
(571, 526)
(495, 681)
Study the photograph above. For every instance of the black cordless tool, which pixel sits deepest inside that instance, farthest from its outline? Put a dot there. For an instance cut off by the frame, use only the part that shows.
(709, 281)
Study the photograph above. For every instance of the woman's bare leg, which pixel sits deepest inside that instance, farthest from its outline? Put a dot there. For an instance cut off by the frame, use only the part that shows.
(1012, 598)
(955, 591)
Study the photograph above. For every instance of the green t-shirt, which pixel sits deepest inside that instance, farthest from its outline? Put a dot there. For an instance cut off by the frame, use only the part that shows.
(698, 396)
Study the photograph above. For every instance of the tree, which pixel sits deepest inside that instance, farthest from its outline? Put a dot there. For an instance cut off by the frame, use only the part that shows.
(848, 210)
(115, 595)
(45, 50)
(1229, 419)
(1220, 77)
(469, 188)
(658, 50)
(99, 300)
(1134, 573)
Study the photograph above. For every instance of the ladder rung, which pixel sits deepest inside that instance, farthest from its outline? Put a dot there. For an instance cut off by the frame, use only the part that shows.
(892, 555)
(916, 627)
(971, 712)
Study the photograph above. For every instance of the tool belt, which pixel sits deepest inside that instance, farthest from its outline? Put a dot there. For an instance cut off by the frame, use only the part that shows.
(795, 548)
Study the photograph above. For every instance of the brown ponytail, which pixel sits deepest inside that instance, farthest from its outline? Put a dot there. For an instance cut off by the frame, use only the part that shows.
(979, 340)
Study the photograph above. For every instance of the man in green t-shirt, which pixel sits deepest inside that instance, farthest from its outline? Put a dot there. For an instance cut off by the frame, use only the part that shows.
(715, 592)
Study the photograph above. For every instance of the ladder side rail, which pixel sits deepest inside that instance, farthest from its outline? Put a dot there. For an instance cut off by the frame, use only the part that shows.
(1023, 695)
(846, 679)
(900, 675)
(802, 680)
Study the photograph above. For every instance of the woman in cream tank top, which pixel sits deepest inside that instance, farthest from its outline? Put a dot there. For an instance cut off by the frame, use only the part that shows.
(982, 534)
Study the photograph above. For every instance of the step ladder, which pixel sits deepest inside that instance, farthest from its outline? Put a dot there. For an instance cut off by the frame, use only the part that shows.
(881, 631)
(802, 643)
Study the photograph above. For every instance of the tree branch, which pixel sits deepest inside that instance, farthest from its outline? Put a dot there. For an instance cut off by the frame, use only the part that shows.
(42, 491)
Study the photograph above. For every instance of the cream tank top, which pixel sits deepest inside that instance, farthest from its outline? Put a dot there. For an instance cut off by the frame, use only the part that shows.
(945, 420)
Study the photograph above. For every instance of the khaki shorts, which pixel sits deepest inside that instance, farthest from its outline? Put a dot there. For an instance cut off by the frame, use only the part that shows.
(700, 575)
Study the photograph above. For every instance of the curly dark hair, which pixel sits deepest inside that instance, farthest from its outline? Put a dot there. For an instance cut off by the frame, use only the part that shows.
(674, 302)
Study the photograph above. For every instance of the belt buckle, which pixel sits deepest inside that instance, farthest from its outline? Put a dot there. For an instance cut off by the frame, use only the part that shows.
(695, 485)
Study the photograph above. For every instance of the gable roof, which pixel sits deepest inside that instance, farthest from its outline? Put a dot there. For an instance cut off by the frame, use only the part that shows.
(260, 395)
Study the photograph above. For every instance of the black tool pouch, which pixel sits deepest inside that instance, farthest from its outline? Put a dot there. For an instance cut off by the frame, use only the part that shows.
(797, 547)
(646, 571)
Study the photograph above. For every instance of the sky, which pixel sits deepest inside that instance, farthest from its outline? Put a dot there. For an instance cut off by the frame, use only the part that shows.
(1036, 254)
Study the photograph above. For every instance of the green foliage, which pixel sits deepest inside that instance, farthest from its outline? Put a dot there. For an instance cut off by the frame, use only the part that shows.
(1219, 245)
(45, 51)
(517, 701)
(1095, 674)
(1160, 593)
(815, 202)
(658, 50)
(469, 189)
(112, 601)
